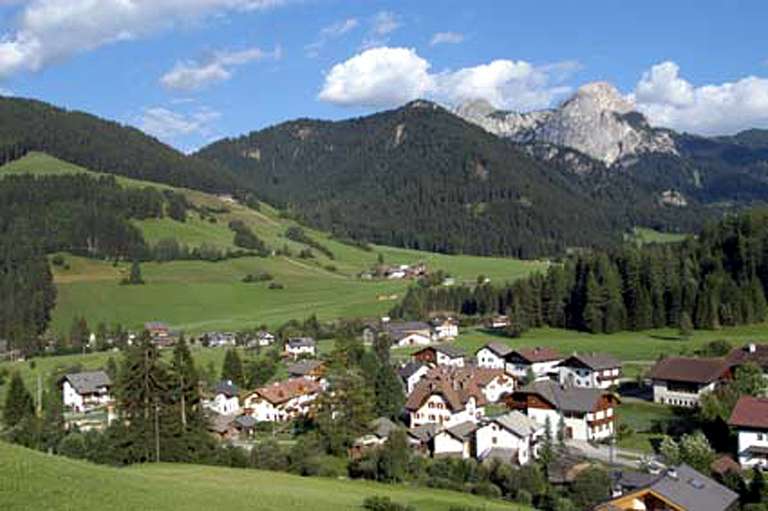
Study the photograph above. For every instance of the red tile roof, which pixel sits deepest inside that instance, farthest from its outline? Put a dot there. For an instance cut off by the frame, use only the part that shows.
(455, 385)
(689, 369)
(283, 391)
(750, 412)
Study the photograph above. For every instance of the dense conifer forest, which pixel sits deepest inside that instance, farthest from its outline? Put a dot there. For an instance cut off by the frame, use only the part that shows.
(717, 279)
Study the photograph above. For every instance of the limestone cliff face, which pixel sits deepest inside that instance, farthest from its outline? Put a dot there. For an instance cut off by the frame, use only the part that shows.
(597, 121)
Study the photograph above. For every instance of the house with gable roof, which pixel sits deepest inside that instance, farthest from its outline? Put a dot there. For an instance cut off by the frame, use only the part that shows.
(750, 420)
(512, 437)
(540, 361)
(492, 355)
(83, 392)
(282, 401)
(587, 414)
(593, 370)
(441, 354)
(681, 381)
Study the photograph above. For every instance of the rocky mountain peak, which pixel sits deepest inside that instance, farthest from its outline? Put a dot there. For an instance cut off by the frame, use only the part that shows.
(594, 121)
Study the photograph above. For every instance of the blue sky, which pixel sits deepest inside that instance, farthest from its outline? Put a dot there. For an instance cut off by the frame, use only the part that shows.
(191, 71)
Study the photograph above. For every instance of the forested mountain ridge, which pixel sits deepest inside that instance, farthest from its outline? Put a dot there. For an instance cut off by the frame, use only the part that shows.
(101, 145)
(421, 177)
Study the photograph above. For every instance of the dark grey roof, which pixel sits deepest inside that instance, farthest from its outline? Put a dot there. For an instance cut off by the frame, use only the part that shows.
(499, 348)
(630, 480)
(423, 433)
(382, 427)
(518, 423)
(595, 361)
(220, 423)
(304, 367)
(300, 342)
(462, 431)
(245, 422)
(500, 453)
(450, 350)
(400, 328)
(410, 369)
(569, 399)
(88, 383)
(228, 388)
(692, 490)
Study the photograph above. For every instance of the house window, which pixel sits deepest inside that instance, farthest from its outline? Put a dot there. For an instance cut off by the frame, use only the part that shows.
(494, 440)
(760, 437)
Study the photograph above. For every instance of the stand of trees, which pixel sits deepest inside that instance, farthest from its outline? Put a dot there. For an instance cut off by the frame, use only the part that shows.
(718, 279)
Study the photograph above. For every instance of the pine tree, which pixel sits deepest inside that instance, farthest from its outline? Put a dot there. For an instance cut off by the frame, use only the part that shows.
(593, 314)
(135, 277)
(686, 325)
(344, 411)
(232, 368)
(19, 404)
(388, 389)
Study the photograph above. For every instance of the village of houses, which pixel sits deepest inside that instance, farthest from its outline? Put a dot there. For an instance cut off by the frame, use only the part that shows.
(498, 403)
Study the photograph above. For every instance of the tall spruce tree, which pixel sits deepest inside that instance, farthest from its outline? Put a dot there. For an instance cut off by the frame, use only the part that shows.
(232, 368)
(19, 404)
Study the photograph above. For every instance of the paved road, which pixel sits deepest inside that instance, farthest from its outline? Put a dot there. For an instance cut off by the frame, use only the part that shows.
(623, 457)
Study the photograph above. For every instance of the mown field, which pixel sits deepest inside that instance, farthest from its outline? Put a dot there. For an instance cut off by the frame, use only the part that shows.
(195, 296)
(32, 480)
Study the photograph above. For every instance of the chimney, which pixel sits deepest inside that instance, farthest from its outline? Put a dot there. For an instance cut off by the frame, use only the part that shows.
(751, 347)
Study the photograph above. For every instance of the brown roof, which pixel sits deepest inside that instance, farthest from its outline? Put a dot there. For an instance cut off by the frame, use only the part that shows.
(283, 391)
(455, 385)
(724, 465)
(689, 369)
(538, 354)
(750, 412)
(755, 353)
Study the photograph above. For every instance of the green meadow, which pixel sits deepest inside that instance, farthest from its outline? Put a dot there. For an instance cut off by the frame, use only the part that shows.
(33, 480)
(196, 296)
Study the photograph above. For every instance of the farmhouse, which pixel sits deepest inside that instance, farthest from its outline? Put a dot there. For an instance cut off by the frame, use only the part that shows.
(511, 437)
(439, 399)
(498, 322)
(445, 329)
(225, 399)
(587, 414)
(312, 369)
(598, 371)
(282, 401)
(539, 361)
(680, 489)
(412, 373)
(220, 339)
(408, 333)
(455, 441)
(492, 355)
(157, 329)
(750, 419)
(83, 392)
(299, 346)
(440, 355)
(681, 381)
(264, 338)
(752, 353)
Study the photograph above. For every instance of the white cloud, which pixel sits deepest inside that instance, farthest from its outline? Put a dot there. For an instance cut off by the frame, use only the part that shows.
(50, 30)
(391, 76)
(329, 32)
(669, 100)
(192, 75)
(167, 124)
(446, 38)
(378, 77)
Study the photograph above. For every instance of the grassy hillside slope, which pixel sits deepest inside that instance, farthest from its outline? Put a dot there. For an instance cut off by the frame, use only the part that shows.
(197, 296)
(32, 480)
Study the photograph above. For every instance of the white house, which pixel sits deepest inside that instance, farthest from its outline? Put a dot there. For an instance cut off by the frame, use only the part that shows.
(225, 399)
(750, 419)
(584, 414)
(282, 401)
(455, 441)
(400, 333)
(596, 371)
(445, 329)
(494, 383)
(681, 381)
(440, 355)
(441, 400)
(511, 437)
(492, 355)
(539, 361)
(83, 392)
(412, 373)
(264, 338)
(298, 346)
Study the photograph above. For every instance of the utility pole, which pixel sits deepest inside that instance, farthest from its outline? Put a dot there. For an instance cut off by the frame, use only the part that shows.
(157, 431)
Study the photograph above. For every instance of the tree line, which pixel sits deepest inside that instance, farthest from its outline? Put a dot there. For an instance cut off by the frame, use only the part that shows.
(718, 278)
